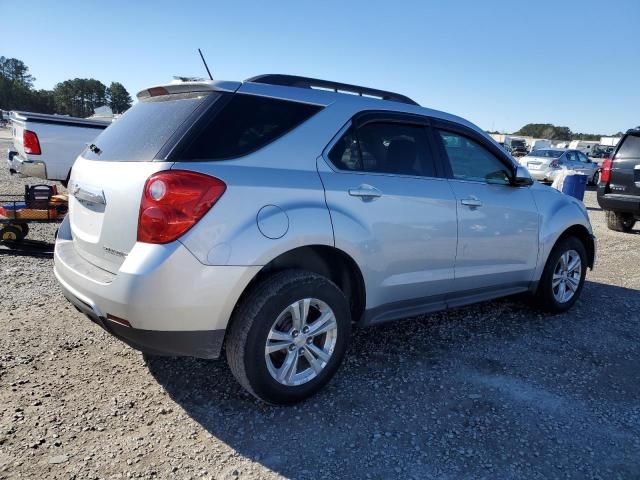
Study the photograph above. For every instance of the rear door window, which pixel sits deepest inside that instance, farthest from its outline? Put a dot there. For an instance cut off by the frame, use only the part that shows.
(245, 124)
(630, 147)
(385, 147)
(572, 157)
(140, 133)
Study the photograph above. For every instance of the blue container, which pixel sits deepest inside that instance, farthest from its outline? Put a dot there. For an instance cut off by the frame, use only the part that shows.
(575, 185)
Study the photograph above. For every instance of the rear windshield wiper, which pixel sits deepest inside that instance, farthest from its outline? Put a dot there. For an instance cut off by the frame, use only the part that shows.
(94, 148)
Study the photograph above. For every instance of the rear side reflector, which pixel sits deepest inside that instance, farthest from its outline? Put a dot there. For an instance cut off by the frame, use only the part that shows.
(173, 201)
(605, 174)
(118, 320)
(31, 143)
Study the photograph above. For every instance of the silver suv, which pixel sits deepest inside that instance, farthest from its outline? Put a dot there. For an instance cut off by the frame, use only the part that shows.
(271, 216)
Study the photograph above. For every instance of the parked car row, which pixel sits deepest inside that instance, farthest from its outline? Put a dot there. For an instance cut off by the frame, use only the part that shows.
(273, 215)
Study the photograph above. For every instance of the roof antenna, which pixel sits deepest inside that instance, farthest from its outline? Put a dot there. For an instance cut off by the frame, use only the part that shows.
(205, 63)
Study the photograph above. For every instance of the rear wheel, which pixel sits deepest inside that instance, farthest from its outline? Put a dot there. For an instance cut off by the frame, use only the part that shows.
(563, 276)
(289, 336)
(596, 178)
(620, 222)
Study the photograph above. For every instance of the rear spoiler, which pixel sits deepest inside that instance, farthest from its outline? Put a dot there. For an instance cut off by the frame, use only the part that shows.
(204, 86)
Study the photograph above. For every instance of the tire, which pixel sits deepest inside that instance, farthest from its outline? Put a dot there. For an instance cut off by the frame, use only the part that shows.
(619, 222)
(546, 295)
(258, 314)
(596, 178)
(11, 233)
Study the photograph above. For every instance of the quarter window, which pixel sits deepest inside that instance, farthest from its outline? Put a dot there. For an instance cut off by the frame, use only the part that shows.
(245, 124)
(471, 161)
(382, 147)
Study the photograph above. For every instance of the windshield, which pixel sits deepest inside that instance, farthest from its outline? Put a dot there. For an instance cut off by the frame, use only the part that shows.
(546, 153)
(517, 143)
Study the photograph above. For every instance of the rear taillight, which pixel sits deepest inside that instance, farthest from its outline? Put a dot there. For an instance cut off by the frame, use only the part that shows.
(555, 164)
(173, 201)
(605, 174)
(31, 143)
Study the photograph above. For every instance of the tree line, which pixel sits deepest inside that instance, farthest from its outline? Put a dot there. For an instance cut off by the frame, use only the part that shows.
(553, 132)
(78, 97)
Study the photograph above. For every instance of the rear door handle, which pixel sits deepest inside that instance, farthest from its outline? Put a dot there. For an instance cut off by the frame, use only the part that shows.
(365, 192)
(471, 202)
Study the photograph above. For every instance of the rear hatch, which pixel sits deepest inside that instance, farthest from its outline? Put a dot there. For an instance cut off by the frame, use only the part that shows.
(108, 178)
(625, 171)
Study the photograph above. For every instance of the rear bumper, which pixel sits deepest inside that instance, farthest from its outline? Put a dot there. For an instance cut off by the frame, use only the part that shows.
(197, 343)
(174, 304)
(26, 168)
(547, 175)
(618, 202)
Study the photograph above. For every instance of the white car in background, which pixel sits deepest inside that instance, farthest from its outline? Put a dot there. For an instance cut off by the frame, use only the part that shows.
(545, 164)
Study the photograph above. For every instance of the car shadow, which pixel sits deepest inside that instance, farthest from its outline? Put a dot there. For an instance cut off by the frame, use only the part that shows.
(409, 390)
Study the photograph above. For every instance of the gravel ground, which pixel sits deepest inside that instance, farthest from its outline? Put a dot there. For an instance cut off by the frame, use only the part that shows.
(496, 390)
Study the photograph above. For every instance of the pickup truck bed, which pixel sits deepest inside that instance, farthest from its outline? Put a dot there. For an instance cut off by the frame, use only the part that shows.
(60, 140)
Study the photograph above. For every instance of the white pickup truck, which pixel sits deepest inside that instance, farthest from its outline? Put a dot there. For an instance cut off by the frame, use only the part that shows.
(46, 146)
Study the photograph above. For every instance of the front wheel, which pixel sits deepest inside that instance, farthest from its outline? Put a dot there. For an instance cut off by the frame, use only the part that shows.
(288, 336)
(619, 222)
(563, 276)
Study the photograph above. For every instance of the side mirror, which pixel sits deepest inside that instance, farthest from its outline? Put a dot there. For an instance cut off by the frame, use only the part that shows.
(522, 177)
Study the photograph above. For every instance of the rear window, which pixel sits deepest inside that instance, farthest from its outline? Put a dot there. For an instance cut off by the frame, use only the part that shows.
(547, 153)
(630, 147)
(245, 124)
(140, 133)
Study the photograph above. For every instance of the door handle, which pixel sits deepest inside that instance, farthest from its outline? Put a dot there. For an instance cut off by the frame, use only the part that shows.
(471, 202)
(365, 192)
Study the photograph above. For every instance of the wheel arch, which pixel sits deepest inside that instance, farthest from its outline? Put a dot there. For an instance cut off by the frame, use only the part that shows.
(328, 261)
(585, 236)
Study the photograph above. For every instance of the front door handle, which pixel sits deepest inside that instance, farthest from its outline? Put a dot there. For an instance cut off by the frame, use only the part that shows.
(365, 192)
(471, 201)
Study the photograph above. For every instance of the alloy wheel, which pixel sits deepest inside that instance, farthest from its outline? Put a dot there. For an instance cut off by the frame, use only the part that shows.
(301, 342)
(566, 276)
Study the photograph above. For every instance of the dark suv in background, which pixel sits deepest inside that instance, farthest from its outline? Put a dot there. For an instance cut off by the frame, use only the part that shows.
(619, 188)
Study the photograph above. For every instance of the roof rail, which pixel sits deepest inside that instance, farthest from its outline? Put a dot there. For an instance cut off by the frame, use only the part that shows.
(305, 82)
